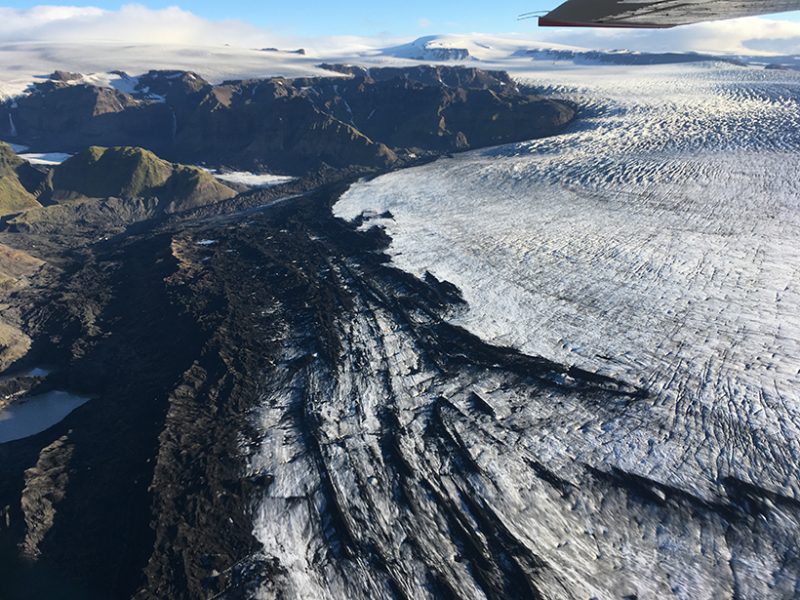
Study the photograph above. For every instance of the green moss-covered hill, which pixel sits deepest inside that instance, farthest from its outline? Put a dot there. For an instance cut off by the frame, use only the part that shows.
(124, 172)
(14, 174)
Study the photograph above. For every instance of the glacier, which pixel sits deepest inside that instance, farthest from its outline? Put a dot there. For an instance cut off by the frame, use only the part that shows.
(656, 243)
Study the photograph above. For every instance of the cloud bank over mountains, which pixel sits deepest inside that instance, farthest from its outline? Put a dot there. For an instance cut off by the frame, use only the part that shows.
(138, 24)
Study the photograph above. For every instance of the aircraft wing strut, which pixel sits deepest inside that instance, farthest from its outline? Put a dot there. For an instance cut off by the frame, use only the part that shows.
(657, 13)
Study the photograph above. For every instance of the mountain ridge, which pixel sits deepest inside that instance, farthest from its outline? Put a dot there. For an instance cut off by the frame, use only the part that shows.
(292, 126)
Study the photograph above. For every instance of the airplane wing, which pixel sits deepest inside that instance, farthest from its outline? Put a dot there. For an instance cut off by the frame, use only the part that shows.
(657, 13)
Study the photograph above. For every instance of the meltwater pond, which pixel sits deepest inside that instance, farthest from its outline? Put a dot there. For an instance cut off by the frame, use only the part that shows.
(36, 414)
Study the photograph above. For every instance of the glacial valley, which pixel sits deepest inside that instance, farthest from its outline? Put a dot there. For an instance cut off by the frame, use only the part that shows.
(542, 341)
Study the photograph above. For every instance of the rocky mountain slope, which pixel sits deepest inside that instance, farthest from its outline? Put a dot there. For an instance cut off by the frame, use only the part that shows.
(17, 182)
(109, 188)
(367, 118)
(97, 193)
(17, 270)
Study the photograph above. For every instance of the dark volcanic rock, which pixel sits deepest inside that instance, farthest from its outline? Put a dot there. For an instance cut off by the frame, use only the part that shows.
(299, 51)
(59, 75)
(70, 117)
(433, 75)
(368, 119)
(285, 392)
(144, 493)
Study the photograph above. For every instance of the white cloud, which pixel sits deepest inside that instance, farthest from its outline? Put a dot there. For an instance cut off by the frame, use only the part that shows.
(38, 40)
(133, 23)
(424, 23)
(140, 25)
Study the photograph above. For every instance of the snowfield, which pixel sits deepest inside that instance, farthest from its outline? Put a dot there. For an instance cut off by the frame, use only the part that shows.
(45, 158)
(260, 180)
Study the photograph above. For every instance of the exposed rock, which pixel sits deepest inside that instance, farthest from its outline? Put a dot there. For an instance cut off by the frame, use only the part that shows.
(16, 266)
(370, 119)
(64, 76)
(434, 75)
(300, 51)
(71, 116)
(106, 190)
(14, 344)
(175, 83)
(17, 269)
(45, 486)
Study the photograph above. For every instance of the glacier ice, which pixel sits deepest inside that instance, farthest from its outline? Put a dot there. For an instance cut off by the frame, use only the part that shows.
(655, 242)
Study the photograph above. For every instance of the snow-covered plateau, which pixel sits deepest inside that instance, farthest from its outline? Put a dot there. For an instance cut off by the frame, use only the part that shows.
(656, 242)
(117, 64)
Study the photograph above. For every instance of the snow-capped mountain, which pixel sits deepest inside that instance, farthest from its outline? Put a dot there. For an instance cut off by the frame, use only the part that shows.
(475, 47)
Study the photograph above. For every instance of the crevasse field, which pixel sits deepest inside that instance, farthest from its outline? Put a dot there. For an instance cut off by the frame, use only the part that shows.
(656, 241)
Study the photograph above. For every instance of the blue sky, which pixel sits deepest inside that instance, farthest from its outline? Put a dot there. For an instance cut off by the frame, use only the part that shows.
(351, 17)
(375, 23)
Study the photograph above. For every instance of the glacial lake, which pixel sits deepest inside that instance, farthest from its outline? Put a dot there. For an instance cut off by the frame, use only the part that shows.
(36, 414)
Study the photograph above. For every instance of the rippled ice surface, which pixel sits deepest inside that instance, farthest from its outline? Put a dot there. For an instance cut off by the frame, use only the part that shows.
(657, 241)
